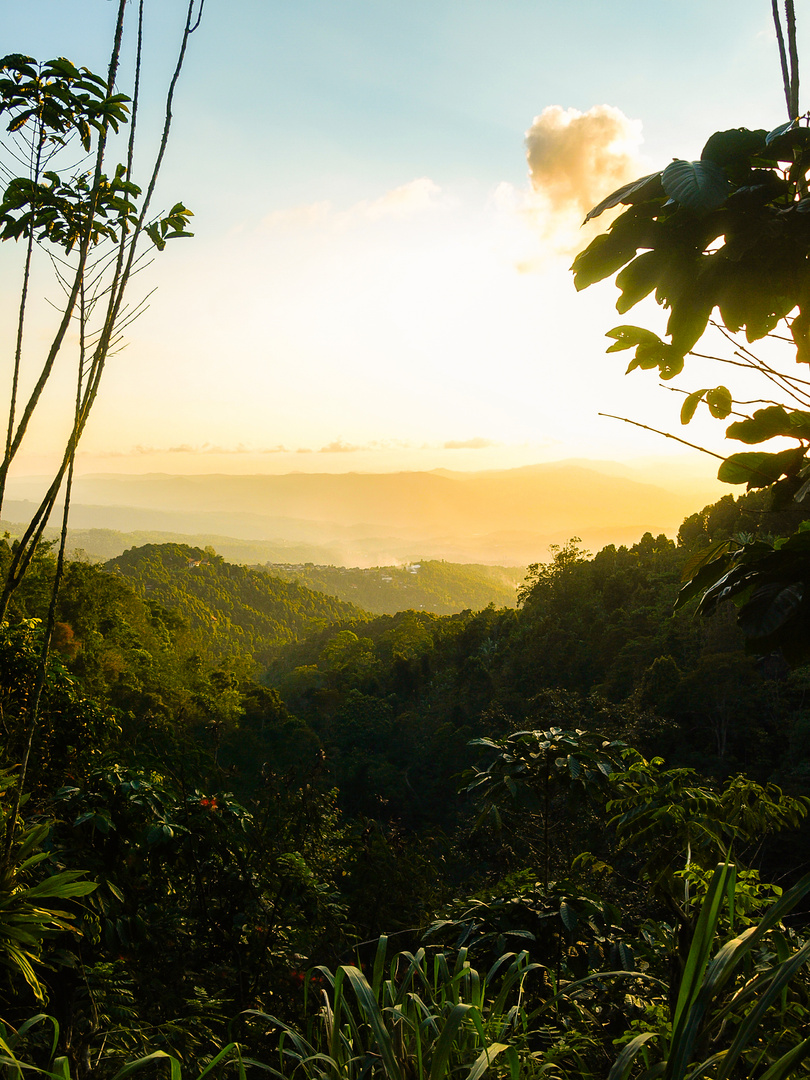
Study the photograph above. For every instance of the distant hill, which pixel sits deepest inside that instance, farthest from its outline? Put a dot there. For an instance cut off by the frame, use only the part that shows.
(100, 545)
(506, 517)
(233, 609)
(439, 587)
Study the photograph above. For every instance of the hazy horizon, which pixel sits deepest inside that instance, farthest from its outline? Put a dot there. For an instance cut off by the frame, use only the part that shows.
(504, 517)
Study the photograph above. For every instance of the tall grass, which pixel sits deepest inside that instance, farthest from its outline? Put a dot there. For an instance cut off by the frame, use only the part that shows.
(15, 1063)
(419, 1017)
(731, 1017)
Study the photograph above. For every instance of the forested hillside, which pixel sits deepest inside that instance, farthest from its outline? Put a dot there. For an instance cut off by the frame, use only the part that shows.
(427, 585)
(227, 609)
(239, 830)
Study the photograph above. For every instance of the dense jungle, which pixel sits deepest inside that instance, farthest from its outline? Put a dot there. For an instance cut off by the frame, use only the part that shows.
(500, 825)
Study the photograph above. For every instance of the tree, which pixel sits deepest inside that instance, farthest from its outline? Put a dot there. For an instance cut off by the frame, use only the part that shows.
(89, 219)
(723, 243)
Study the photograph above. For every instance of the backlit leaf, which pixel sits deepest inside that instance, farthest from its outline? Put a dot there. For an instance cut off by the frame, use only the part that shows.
(690, 405)
(648, 187)
(638, 279)
(758, 469)
(765, 424)
(600, 259)
(719, 402)
(628, 337)
(699, 186)
(728, 147)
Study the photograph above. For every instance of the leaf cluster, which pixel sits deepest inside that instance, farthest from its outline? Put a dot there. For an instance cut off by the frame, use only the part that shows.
(58, 98)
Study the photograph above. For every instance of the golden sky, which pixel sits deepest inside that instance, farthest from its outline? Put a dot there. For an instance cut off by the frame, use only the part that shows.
(388, 198)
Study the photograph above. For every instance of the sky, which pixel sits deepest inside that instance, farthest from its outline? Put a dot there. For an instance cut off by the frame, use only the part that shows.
(387, 199)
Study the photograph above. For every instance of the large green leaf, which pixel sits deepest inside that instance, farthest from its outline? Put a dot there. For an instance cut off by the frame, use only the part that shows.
(485, 1059)
(769, 423)
(758, 469)
(684, 1028)
(711, 567)
(690, 404)
(600, 259)
(778, 132)
(638, 279)
(628, 337)
(700, 186)
(376, 1021)
(624, 1062)
(719, 402)
(763, 425)
(651, 351)
(785, 1067)
(648, 187)
(728, 148)
(689, 318)
(782, 142)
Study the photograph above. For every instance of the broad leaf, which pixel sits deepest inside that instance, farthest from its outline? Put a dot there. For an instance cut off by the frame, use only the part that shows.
(648, 187)
(569, 917)
(628, 337)
(699, 186)
(638, 279)
(783, 141)
(779, 131)
(706, 574)
(690, 405)
(689, 319)
(719, 402)
(730, 147)
(763, 425)
(758, 469)
(600, 259)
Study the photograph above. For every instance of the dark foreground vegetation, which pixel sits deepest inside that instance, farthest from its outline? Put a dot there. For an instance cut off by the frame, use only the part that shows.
(260, 821)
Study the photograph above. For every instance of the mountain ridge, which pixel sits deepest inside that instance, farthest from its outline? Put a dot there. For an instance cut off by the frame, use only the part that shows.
(508, 516)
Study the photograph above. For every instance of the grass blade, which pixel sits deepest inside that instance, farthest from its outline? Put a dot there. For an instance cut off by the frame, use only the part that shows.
(368, 1004)
(446, 1041)
(784, 1067)
(685, 1022)
(622, 1064)
(485, 1059)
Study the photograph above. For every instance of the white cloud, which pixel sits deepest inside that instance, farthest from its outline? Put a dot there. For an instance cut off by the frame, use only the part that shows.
(575, 159)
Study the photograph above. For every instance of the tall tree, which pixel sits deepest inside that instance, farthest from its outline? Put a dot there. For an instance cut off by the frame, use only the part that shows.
(89, 222)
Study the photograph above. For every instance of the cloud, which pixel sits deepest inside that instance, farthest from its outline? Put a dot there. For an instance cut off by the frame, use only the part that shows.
(478, 443)
(338, 446)
(206, 448)
(576, 159)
